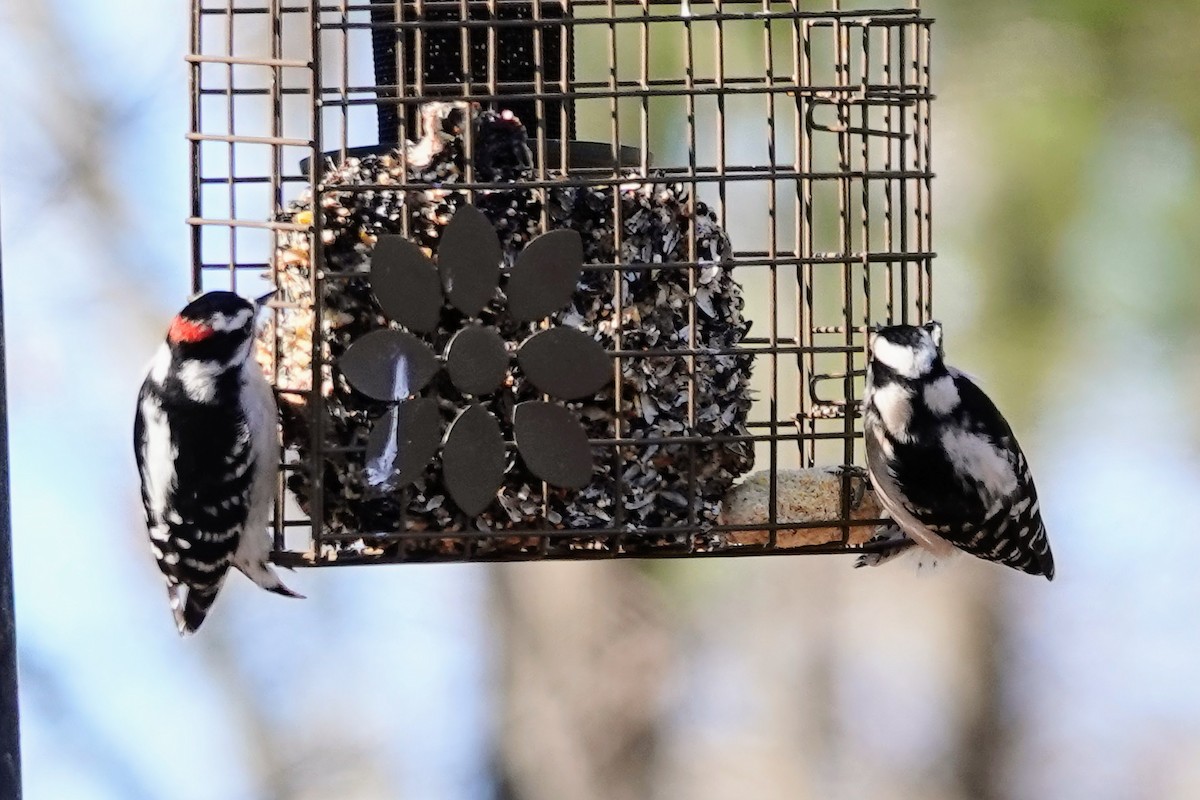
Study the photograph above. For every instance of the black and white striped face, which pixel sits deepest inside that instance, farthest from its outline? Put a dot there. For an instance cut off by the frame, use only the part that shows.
(907, 351)
(217, 326)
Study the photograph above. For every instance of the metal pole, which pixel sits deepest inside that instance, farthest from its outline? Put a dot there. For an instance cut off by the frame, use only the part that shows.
(10, 728)
(383, 48)
(506, 67)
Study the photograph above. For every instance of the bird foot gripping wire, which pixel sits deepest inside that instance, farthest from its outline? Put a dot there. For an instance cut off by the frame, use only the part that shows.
(887, 543)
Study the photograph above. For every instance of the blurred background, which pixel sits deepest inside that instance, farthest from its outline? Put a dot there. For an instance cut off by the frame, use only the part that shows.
(1067, 148)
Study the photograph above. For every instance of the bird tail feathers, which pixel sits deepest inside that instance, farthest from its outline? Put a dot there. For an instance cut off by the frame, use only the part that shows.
(190, 605)
(264, 576)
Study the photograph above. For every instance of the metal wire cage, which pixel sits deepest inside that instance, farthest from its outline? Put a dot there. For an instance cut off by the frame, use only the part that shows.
(750, 185)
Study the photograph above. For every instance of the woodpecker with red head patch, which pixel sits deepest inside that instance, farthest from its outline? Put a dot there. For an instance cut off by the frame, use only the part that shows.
(944, 462)
(208, 452)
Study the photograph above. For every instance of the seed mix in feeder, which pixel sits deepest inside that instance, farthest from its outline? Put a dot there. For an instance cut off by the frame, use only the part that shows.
(662, 484)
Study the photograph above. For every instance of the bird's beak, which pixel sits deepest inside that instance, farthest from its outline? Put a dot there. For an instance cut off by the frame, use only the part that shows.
(259, 302)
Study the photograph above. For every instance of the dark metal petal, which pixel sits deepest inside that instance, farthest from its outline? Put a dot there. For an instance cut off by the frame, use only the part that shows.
(553, 444)
(473, 459)
(476, 360)
(382, 453)
(406, 283)
(388, 364)
(402, 443)
(469, 260)
(545, 276)
(565, 363)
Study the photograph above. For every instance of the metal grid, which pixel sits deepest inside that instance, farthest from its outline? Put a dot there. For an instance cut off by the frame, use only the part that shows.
(806, 130)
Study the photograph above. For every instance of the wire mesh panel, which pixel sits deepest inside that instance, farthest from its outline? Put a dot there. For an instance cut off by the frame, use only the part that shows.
(585, 278)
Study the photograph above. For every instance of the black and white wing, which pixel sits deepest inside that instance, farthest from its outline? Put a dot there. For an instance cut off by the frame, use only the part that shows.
(194, 532)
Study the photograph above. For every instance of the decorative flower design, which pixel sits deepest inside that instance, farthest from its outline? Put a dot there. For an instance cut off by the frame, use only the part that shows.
(395, 366)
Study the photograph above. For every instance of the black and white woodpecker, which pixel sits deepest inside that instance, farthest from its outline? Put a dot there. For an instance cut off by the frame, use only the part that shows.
(944, 462)
(207, 449)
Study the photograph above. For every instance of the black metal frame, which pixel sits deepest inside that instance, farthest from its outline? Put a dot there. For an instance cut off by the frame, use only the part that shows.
(844, 179)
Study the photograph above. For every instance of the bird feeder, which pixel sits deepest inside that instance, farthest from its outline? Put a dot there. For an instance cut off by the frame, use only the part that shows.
(572, 279)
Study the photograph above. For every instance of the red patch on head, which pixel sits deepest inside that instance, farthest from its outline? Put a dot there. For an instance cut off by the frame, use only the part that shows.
(186, 330)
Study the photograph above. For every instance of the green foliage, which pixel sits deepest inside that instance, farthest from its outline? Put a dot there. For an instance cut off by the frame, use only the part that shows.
(1083, 120)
